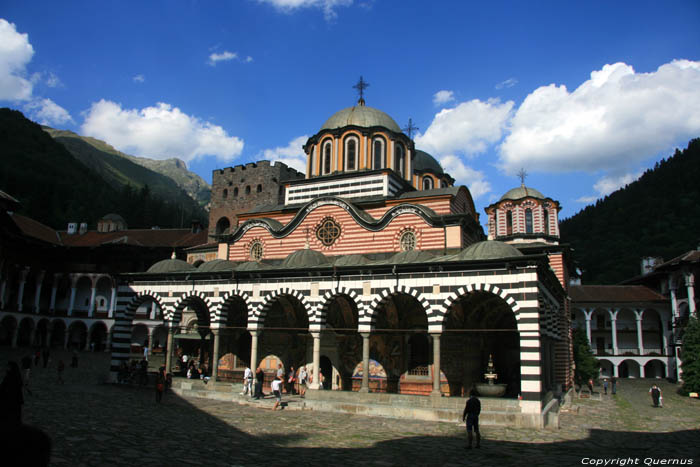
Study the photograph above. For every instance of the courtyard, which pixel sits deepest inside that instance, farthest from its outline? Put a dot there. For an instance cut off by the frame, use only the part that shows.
(94, 424)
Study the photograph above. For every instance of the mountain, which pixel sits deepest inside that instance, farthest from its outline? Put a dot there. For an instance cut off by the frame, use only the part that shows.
(108, 161)
(657, 215)
(55, 187)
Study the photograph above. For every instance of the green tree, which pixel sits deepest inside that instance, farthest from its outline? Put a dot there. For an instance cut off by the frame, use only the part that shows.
(690, 352)
(586, 364)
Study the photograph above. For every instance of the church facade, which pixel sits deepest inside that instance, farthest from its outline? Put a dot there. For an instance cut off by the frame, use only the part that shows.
(374, 272)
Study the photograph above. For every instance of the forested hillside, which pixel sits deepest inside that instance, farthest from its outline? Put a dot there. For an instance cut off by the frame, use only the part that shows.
(657, 215)
(55, 188)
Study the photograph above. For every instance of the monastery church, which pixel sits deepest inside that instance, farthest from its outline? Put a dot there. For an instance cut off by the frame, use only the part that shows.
(373, 271)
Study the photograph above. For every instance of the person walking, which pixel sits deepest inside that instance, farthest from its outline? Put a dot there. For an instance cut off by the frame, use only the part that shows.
(302, 381)
(259, 378)
(291, 381)
(471, 415)
(605, 386)
(277, 391)
(614, 385)
(160, 384)
(655, 395)
(247, 382)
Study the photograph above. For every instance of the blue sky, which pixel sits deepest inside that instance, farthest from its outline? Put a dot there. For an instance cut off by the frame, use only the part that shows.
(584, 95)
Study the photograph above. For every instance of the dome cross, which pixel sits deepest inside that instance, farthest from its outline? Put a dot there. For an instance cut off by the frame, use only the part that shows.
(361, 86)
(409, 129)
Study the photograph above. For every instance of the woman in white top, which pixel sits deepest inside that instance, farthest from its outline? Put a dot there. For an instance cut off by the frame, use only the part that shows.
(277, 391)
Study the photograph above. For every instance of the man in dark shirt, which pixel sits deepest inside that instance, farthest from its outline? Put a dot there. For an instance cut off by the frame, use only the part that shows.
(471, 416)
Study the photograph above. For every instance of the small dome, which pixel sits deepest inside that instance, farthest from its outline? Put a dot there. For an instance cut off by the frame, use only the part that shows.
(411, 256)
(363, 116)
(217, 265)
(522, 192)
(251, 266)
(113, 217)
(351, 260)
(171, 265)
(424, 162)
(489, 249)
(305, 258)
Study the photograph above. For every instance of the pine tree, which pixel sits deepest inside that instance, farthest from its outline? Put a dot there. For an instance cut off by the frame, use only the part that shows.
(586, 364)
(690, 352)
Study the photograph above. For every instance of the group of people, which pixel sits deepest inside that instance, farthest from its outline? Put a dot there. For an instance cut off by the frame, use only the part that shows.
(135, 372)
(295, 382)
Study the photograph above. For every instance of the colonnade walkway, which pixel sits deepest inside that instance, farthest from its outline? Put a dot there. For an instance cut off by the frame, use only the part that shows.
(92, 423)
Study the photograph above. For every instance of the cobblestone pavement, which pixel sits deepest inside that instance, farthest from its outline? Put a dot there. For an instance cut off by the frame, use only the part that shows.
(91, 423)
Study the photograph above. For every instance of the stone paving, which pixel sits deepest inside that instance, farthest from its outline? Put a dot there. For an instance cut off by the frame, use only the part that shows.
(96, 424)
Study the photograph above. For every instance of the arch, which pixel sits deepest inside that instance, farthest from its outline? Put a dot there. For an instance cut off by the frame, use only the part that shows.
(263, 308)
(42, 332)
(427, 182)
(629, 369)
(24, 332)
(224, 194)
(77, 335)
(197, 299)
(529, 227)
(97, 336)
(607, 369)
(469, 288)
(509, 222)
(655, 368)
(378, 152)
(330, 296)
(139, 335)
(652, 332)
(400, 159)
(351, 148)
(327, 156)
(258, 189)
(139, 299)
(387, 294)
(58, 333)
(235, 192)
(223, 226)
(228, 300)
(8, 326)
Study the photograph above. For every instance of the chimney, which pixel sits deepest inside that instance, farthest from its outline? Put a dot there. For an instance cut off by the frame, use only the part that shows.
(196, 226)
(83, 228)
(72, 228)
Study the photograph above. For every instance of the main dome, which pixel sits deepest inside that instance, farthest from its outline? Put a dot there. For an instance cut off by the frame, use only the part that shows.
(363, 116)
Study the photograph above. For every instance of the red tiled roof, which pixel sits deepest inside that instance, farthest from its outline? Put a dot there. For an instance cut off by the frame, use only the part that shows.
(138, 237)
(613, 293)
(34, 229)
(204, 246)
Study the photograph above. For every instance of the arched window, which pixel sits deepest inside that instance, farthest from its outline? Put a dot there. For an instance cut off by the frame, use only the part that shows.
(546, 221)
(224, 195)
(528, 220)
(247, 190)
(427, 183)
(235, 192)
(495, 222)
(256, 250)
(444, 184)
(327, 157)
(399, 160)
(378, 153)
(259, 189)
(408, 241)
(509, 223)
(350, 153)
(223, 226)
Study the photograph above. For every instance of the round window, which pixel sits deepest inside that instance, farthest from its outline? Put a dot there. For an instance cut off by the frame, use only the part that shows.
(328, 231)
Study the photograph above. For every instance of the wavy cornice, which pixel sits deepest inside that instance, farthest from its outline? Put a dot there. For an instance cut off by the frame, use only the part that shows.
(360, 216)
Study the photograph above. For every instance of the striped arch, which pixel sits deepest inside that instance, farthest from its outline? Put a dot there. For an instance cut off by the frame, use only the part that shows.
(322, 307)
(176, 313)
(261, 312)
(121, 330)
(384, 295)
(467, 289)
(221, 311)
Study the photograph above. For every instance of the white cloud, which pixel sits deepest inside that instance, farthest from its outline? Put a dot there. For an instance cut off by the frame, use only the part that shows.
(224, 56)
(442, 97)
(248, 59)
(293, 155)
(159, 132)
(509, 83)
(467, 129)
(615, 119)
(139, 78)
(53, 81)
(15, 53)
(47, 112)
(606, 185)
(328, 6)
(475, 180)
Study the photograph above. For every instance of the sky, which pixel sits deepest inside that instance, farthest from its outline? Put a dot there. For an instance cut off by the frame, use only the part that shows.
(584, 96)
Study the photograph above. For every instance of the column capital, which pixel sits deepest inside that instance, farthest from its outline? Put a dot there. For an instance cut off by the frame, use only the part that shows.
(689, 279)
(365, 335)
(316, 334)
